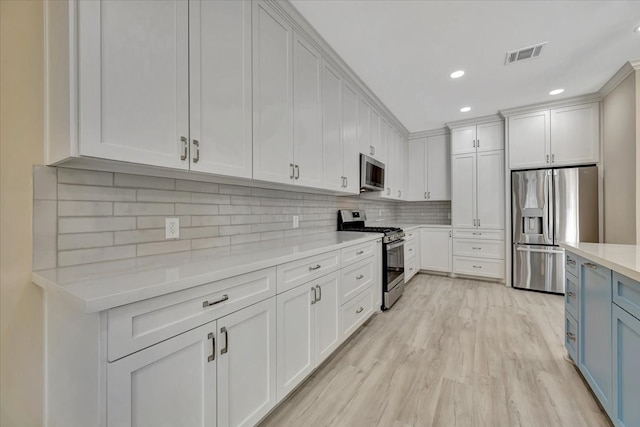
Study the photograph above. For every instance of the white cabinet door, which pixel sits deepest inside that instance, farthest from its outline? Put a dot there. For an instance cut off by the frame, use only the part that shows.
(327, 329)
(575, 135)
(272, 96)
(332, 158)
(435, 249)
(350, 150)
(247, 364)
(378, 142)
(307, 113)
(134, 81)
(295, 337)
(490, 136)
(463, 140)
(490, 189)
(463, 190)
(529, 140)
(377, 286)
(364, 127)
(417, 175)
(390, 166)
(220, 87)
(172, 383)
(401, 165)
(438, 173)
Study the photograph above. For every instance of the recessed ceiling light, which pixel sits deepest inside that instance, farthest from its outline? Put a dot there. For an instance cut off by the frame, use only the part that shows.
(465, 109)
(637, 29)
(456, 74)
(556, 92)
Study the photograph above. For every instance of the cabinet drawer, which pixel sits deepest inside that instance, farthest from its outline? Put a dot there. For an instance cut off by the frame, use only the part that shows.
(356, 253)
(571, 336)
(409, 268)
(571, 262)
(626, 293)
(133, 327)
(355, 312)
(410, 249)
(571, 295)
(483, 267)
(304, 270)
(410, 235)
(477, 234)
(355, 278)
(479, 248)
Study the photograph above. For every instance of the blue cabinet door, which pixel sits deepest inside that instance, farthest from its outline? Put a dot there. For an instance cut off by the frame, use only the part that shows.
(594, 330)
(626, 368)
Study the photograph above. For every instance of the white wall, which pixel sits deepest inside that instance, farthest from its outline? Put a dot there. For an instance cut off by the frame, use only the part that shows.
(21, 146)
(619, 144)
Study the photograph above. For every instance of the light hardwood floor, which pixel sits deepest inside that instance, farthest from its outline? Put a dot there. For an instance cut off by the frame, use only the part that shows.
(451, 352)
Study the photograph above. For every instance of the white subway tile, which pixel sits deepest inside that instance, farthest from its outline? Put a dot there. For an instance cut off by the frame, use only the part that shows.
(271, 226)
(263, 192)
(163, 196)
(142, 181)
(204, 220)
(198, 232)
(139, 236)
(245, 219)
(84, 177)
(234, 210)
(193, 209)
(86, 256)
(86, 192)
(196, 186)
(271, 235)
(227, 230)
(96, 224)
(146, 209)
(70, 208)
(84, 240)
(144, 222)
(245, 200)
(234, 189)
(240, 239)
(45, 185)
(216, 199)
(211, 242)
(146, 249)
(44, 234)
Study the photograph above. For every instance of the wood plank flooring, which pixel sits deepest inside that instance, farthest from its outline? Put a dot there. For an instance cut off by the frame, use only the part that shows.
(451, 352)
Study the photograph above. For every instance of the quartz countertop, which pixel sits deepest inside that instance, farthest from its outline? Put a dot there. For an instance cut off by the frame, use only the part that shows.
(625, 259)
(101, 286)
(406, 226)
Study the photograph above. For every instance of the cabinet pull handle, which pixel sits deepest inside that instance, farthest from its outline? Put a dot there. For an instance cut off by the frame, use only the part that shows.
(591, 266)
(223, 330)
(477, 143)
(477, 234)
(428, 194)
(478, 222)
(474, 143)
(372, 150)
(185, 148)
(475, 222)
(346, 182)
(450, 233)
(425, 194)
(411, 250)
(206, 304)
(314, 268)
(196, 158)
(553, 158)
(477, 266)
(319, 288)
(571, 261)
(399, 193)
(547, 158)
(571, 336)
(315, 296)
(359, 276)
(360, 310)
(476, 248)
(212, 356)
(297, 169)
(359, 252)
(571, 294)
(291, 174)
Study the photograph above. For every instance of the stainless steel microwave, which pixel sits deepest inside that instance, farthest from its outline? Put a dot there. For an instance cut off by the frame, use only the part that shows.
(371, 174)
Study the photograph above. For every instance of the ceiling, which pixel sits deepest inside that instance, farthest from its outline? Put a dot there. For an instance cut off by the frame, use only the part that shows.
(405, 50)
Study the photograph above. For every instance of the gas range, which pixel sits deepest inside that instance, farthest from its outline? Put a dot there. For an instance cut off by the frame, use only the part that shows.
(349, 220)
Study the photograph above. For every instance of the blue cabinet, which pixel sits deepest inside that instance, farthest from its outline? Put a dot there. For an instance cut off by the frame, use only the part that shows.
(594, 330)
(626, 354)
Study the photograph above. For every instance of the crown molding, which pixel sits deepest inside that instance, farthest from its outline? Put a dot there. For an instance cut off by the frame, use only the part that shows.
(301, 25)
(541, 106)
(474, 121)
(427, 133)
(620, 75)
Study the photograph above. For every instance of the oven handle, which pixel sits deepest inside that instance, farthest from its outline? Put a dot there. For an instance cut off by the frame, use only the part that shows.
(395, 244)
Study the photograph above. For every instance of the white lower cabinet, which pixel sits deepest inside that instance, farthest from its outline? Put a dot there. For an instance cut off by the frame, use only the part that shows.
(435, 249)
(355, 312)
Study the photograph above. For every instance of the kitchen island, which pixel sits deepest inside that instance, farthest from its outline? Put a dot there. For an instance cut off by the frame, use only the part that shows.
(602, 323)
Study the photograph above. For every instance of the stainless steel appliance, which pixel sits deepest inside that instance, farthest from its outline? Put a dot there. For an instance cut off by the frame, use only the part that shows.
(371, 174)
(550, 206)
(392, 253)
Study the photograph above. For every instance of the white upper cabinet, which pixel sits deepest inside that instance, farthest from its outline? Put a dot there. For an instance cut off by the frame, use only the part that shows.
(134, 81)
(272, 96)
(416, 164)
(333, 177)
(350, 150)
(364, 127)
(557, 137)
(476, 138)
(529, 140)
(438, 171)
(378, 142)
(220, 87)
(463, 140)
(463, 191)
(307, 114)
(490, 189)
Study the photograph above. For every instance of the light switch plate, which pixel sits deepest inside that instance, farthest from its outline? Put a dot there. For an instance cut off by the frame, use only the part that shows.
(296, 222)
(172, 228)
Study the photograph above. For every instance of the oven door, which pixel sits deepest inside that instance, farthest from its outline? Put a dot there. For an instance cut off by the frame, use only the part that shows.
(394, 264)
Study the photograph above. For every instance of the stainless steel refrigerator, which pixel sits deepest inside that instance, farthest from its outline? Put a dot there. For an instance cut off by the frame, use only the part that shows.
(550, 206)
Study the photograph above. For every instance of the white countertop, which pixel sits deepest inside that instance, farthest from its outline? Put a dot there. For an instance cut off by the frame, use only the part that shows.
(405, 226)
(100, 286)
(625, 259)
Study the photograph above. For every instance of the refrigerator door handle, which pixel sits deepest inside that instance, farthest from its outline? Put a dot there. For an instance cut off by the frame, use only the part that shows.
(542, 251)
(551, 208)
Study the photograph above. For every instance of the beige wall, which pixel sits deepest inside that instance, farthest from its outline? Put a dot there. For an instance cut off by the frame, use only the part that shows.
(21, 146)
(619, 146)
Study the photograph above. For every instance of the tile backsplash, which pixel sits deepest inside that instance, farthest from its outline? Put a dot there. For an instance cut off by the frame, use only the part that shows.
(83, 216)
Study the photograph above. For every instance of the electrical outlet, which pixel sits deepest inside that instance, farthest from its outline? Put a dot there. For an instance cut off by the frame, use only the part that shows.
(172, 228)
(296, 222)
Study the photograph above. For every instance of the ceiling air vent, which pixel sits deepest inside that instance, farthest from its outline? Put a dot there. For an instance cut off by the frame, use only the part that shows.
(524, 53)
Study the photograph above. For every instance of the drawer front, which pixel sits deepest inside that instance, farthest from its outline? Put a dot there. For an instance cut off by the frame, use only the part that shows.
(477, 234)
(356, 312)
(304, 270)
(571, 262)
(133, 327)
(410, 249)
(571, 296)
(410, 269)
(571, 336)
(626, 293)
(355, 278)
(479, 248)
(356, 253)
(482, 267)
(410, 235)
